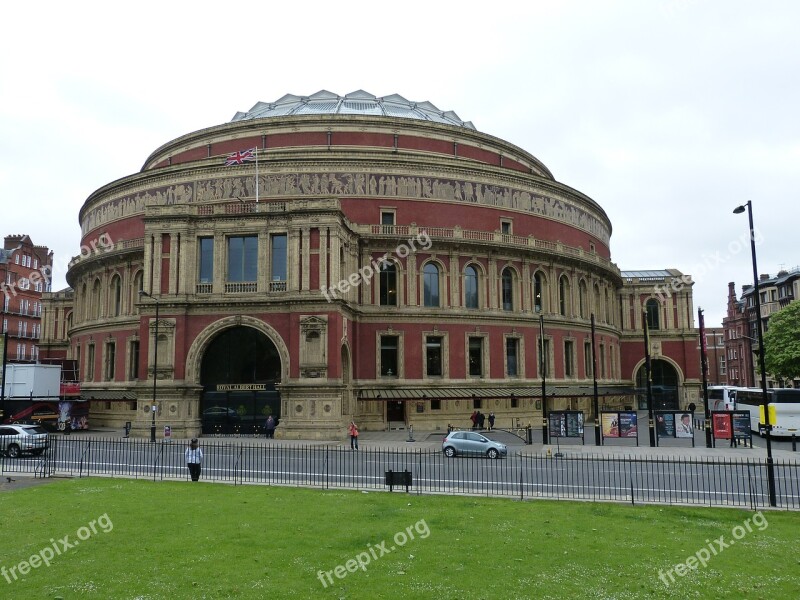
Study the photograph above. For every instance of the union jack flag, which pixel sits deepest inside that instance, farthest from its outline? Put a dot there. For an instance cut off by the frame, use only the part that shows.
(243, 156)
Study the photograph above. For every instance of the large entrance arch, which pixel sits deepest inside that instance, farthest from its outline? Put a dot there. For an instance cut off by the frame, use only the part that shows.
(665, 384)
(238, 371)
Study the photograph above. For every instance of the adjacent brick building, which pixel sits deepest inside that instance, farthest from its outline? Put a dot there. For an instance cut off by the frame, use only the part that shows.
(26, 271)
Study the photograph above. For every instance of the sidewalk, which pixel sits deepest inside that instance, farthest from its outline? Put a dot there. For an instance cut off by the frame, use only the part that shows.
(398, 440)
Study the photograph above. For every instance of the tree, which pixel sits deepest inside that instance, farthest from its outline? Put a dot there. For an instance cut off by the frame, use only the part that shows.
(782, 343)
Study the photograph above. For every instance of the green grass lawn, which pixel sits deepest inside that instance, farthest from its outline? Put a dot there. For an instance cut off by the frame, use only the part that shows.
(204, 540)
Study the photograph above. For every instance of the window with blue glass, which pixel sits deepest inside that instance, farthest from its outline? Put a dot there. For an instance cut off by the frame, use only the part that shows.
(431, 285)
(243, 258)
(279, 257)
(206, 252)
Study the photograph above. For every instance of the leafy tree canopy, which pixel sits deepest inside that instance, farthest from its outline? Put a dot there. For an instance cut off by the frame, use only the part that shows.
(782, 343)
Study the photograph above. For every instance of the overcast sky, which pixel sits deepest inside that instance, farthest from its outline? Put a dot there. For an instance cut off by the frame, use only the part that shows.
(668, 113)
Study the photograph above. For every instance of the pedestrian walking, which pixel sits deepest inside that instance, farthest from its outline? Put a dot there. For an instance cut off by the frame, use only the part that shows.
(474, 418)
(269, 427)
(491, 420)
(194, 458)
(353, 431)
(481, 420)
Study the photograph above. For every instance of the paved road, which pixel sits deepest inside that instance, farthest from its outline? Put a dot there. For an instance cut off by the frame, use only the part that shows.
(693, 476)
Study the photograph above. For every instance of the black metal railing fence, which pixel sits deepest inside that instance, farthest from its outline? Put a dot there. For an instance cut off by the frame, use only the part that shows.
(720, 481)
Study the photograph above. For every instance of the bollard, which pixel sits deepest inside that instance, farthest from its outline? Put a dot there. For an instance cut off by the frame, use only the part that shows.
(794, 442)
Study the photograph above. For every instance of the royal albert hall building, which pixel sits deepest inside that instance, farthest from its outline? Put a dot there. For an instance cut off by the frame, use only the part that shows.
(330, 258)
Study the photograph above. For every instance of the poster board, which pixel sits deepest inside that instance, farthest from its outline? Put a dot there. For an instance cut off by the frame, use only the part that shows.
(677, 425)
(733, 425)
(565, 424)
(620, 424)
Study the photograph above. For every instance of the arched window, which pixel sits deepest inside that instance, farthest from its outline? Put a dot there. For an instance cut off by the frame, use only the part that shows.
(84, 313)
(430, 274)
(96, 299)
(652, 309)
(508, 289)
(116, 296)
(563, 296)
(583, 300)
(597, 309)
(538, 292)
(471, 287)
(138, 286)
(388, 284)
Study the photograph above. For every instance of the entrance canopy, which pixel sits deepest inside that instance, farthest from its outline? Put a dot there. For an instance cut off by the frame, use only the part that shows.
(466, 393)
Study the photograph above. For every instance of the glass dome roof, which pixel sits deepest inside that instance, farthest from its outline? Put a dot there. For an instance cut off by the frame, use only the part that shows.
(355, 103)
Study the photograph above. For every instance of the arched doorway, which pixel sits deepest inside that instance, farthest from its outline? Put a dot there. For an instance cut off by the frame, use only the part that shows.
(238, 372)
(665, 382)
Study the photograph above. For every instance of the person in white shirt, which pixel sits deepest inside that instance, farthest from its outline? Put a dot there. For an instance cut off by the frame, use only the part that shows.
(194, 458)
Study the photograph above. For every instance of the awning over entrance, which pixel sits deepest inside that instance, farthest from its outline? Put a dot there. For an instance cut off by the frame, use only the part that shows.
(107, 395)
(466, 393)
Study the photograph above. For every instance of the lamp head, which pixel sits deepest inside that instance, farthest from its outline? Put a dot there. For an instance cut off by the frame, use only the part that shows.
(739, 209)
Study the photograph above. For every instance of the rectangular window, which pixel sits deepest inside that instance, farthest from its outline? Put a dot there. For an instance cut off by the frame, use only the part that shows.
(133, 369)
(111, 355)
(587, 360)
(505, 227)
(387, 217)
(722, 366)
(512, 350)
(90, 362)
(279, 269)
(205, 251)
(476, 356)
(389, 355)
(602, 359)
(544, 357)
(476, 402)
(612, 371)
(433, 356)
(436, 405)
(569, 359)
(243, 258)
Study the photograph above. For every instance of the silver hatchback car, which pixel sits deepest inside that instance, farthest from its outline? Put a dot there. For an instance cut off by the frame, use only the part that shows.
(17, 439)
(471, 443)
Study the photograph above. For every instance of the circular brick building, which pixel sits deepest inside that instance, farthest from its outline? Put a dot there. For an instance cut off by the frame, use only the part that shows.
(330, 258)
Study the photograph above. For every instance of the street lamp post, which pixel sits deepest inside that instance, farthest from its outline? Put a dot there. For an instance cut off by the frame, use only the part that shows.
(764, 400)
(542, 369)
(155, 366)
(704, 365)
(649, 373)
(594, 390)
(5, 257)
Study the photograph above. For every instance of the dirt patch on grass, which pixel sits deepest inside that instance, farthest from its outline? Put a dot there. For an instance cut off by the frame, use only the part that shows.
(9, 483)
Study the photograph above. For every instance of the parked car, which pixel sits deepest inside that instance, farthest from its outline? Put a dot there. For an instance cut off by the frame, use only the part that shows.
(16, 440)
(471, 443)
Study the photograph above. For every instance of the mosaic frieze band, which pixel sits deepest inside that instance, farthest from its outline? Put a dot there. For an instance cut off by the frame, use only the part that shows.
(348, 184)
